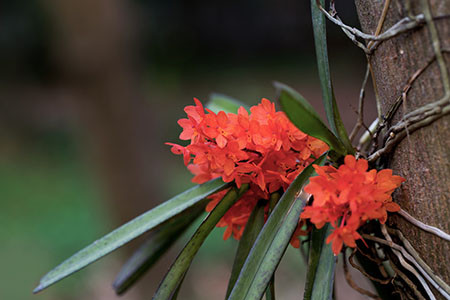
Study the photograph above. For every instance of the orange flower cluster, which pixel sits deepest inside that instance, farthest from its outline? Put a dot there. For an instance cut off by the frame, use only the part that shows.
(262, 148)
(350, 195)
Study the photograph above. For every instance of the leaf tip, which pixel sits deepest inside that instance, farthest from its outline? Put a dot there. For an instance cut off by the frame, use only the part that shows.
(39, 288)
(118, 288)
(279, 87)
(120, 285)
(277, 84)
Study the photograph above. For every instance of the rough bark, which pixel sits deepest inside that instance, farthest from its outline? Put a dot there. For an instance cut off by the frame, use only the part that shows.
(422, 158)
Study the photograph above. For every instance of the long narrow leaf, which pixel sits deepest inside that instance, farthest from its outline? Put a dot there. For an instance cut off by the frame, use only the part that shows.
(130, 230)
(154, 247)
(329, 100)
(270, 291)
(177, 290)
(254, 225)
(303, 115)
(273, 240)
(178, 269)
(321, 265)
(315, 248)
(219, 102)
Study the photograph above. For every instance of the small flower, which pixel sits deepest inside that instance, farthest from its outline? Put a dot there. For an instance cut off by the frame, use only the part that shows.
(340, 235)
(350, 194)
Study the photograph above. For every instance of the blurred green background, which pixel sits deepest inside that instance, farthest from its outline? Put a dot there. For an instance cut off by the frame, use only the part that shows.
(89, 93)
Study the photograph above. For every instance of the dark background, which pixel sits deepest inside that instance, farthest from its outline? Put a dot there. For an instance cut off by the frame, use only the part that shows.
(89, 93)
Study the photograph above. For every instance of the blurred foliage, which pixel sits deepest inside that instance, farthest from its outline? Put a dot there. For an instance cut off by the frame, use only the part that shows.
(24, 40)
(46, 196)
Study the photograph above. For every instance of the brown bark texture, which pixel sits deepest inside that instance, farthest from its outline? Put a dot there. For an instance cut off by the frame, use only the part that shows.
(423, 157)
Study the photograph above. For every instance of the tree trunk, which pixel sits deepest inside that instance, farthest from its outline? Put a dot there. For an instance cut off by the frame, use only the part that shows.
(422, 157)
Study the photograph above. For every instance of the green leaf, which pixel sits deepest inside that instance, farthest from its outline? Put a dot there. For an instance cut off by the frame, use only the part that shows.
(219, 102)
(270, 291)
(131, 230)
(303, 115)
(273, 240)
(154, 247)
(254, 224)
(329, 100)
(178, 269)
(321, 266)
(177, 290)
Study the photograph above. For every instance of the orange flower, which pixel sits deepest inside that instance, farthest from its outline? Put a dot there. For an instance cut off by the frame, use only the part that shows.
(350, 193)
(341, 235)
(262, 148)
(190, 126)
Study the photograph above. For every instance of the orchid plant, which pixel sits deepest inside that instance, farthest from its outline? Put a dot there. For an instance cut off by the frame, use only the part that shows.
(272, 178)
